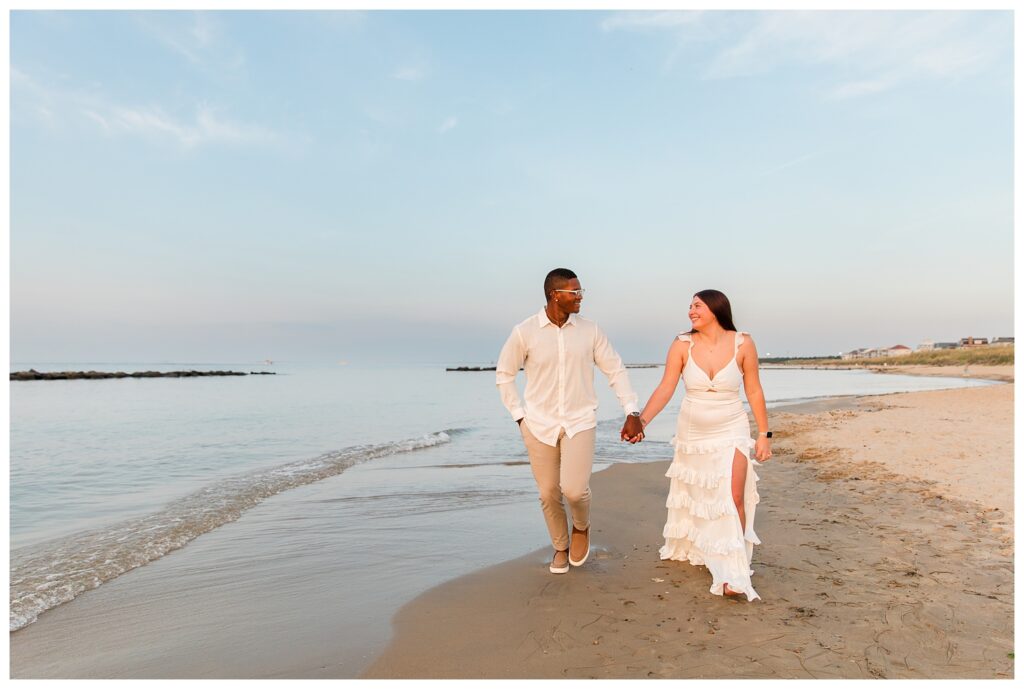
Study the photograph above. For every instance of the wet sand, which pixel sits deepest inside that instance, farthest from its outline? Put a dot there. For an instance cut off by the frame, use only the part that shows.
(1003, 373)
(887, 551)
(302, 587)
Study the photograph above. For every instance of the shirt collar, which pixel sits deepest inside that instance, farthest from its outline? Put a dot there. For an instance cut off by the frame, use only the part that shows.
(543, 320)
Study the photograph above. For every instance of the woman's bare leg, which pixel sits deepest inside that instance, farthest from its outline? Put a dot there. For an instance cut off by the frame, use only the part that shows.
(739, 484)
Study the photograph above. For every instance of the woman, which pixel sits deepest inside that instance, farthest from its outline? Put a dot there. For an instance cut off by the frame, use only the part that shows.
(713, 494)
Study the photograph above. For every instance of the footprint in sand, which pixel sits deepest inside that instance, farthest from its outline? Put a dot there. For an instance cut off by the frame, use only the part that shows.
(803, 612)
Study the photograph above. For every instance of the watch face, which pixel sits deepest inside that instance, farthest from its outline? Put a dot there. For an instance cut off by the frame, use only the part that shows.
(769, 434)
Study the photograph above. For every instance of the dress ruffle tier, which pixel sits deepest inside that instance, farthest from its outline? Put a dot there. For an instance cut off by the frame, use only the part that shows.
(703, 525)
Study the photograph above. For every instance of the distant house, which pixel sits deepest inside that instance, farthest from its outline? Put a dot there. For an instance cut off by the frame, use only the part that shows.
(926, 346)
(895, 350)
(973, 341)
(1002, 342)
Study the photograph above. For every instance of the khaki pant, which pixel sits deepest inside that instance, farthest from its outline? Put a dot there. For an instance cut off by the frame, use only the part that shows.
(562, 470)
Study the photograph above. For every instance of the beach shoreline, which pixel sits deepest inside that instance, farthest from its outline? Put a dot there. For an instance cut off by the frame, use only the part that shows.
(872, 565)
(188, 615)
(1002, 373)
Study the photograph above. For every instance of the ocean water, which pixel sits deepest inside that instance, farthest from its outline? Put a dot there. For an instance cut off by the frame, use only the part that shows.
(109, 475)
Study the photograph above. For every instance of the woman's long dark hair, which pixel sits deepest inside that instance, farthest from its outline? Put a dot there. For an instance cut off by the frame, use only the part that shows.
(719, 305)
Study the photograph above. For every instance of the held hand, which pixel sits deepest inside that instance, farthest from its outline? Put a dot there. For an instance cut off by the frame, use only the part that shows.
(622, 433)
(634, 439)
(763, 449)
(632, 430)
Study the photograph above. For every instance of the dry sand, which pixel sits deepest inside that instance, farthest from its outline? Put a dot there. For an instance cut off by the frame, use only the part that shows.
(931, 436)
(887, 552)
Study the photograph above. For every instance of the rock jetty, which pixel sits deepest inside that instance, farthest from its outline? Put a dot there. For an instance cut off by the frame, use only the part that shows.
(494, 368)
(33, 374)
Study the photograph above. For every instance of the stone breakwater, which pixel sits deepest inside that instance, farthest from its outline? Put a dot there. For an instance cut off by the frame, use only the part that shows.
(32, 374)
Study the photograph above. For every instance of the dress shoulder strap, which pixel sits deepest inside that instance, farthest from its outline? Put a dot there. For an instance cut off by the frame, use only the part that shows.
(739, 340)
(685, 337)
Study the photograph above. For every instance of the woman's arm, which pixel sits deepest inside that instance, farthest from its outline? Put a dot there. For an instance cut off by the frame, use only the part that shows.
(747, 360)
(674, 363)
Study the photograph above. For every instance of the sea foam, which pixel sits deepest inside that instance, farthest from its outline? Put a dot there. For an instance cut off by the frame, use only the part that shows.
(45, 576)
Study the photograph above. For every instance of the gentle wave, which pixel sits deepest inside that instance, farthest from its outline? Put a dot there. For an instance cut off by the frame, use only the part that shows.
(45, 578)
(382, 507)
(480, 464)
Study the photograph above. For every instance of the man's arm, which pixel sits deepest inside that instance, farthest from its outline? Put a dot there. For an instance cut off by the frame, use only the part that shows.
(511, 359)
(611, 366)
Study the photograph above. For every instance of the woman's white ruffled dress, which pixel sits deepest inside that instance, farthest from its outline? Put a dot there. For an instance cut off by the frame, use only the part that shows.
(703, 525)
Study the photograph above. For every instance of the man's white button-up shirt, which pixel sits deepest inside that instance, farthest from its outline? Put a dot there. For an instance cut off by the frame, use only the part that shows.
(559, 366)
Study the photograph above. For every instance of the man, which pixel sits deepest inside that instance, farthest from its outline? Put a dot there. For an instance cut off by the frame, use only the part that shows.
(559, 350)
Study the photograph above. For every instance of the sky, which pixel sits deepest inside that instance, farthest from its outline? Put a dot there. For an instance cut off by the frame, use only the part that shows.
(381, 187)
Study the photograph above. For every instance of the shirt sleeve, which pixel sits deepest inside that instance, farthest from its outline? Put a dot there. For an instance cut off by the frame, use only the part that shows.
(511, 359)
(610, 363)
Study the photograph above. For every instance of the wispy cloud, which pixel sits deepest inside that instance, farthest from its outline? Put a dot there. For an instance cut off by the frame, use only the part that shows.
(684, 27)
(410, 73)
(346, 21)
(870, 52)
(649, 20)
(206, 125)
(792, 163)
(196, 36)
(841, 147)
(98, 119)
(382, 114)
(449, 124)
(864, 87)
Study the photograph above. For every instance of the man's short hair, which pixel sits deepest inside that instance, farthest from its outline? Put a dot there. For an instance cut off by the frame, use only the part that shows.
(556, 278)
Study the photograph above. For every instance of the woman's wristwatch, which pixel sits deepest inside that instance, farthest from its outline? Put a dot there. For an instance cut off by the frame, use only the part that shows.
(766, 434)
